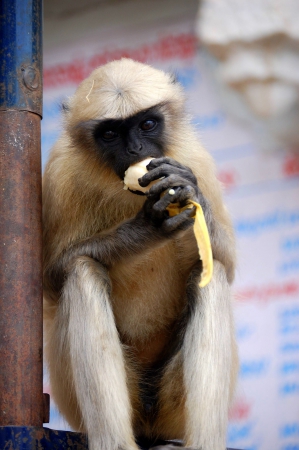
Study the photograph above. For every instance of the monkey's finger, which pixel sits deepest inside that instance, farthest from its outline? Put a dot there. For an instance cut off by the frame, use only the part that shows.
(187, 193)
(156, 162)
(167, 197)
(179, 222)
(155, 216)
(190, 193)
(148, 207)
(179, 195)
(165, 170)
(165, 160)
(161, 187)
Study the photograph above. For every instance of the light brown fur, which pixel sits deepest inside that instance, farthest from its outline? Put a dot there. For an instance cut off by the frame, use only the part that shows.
(144, 294)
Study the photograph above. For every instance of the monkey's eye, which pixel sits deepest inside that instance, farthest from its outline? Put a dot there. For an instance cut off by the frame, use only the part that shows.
(148, 125)
(109, 135)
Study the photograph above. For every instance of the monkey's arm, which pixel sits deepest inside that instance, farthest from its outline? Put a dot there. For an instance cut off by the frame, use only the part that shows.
(149, 228)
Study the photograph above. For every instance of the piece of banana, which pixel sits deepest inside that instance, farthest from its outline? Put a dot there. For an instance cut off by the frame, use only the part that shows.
(134, 172)
(200, 227)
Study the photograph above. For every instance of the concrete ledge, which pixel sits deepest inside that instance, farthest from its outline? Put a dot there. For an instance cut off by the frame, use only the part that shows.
(35, 438)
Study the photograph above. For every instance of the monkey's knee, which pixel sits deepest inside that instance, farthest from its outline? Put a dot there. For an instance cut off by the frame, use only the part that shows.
(85, 271)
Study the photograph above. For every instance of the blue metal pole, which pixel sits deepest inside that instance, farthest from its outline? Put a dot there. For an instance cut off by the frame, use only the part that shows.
(21, 396)
(21, 55)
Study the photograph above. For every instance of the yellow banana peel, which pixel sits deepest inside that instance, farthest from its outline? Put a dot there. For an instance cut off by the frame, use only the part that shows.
(202, 238)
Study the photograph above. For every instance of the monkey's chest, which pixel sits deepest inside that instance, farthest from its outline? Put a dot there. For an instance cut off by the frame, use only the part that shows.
(148, 296)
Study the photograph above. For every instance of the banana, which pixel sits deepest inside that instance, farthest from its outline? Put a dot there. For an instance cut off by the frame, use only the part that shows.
(202, 238)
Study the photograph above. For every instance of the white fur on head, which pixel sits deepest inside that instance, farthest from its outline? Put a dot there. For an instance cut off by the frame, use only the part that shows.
(122, 88)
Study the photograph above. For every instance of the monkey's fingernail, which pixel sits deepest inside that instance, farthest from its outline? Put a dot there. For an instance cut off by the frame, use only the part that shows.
(171, 192)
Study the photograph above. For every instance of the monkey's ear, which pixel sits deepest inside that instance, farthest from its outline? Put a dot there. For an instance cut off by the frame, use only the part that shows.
(65, 107)
(173, 78)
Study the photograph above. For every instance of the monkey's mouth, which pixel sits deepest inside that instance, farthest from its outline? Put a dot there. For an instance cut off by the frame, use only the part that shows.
(136, 192)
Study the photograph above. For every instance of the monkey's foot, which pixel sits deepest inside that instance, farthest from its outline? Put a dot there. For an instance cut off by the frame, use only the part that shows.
(159, 444)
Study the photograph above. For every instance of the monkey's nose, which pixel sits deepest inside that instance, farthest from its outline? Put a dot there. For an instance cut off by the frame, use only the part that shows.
(134, 150)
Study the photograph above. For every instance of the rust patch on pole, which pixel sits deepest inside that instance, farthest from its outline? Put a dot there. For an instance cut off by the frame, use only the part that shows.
(21, 399)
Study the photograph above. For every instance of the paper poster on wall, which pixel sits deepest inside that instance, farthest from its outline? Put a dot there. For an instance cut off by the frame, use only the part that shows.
(262, 193)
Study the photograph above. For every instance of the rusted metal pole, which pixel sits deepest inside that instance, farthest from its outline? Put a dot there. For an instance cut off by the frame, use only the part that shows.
(21, 397)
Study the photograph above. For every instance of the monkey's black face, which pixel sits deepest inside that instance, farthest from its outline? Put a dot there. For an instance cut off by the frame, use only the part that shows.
(123, 142)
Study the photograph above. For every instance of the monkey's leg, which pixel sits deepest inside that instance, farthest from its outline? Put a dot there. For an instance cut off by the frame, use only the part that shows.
(198, 381)
(210, 361)
(59, 368)
(96, 357)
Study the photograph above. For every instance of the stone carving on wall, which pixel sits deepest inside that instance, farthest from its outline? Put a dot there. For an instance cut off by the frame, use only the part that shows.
(253, 49)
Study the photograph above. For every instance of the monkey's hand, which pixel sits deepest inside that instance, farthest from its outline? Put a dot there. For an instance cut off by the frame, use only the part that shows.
(176, 185)
(184, 184)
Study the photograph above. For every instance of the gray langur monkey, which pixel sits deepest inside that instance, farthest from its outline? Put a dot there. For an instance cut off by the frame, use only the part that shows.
(136, 350)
